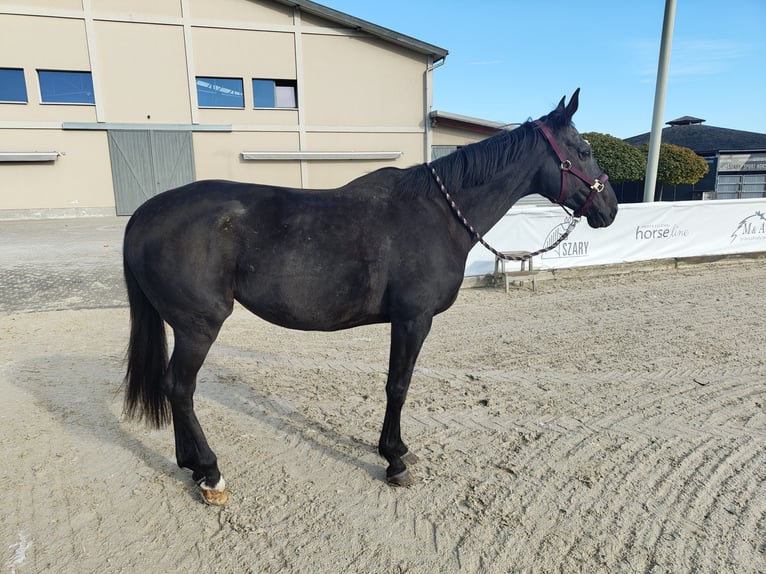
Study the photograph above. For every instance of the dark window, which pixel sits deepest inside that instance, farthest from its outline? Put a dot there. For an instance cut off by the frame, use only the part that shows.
(220, 92)
(60, 87)
(12, 86)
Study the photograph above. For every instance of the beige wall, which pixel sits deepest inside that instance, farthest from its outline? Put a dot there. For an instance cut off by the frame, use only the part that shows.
(218, 156)
(248, 53)
(354, 81)
(70, 5)
(355, 93)
(241, 11)
(451, 136)
(142, 73)
(337, 173)
(81, 178)
(170, 8)
(44, 42)
(214, 159)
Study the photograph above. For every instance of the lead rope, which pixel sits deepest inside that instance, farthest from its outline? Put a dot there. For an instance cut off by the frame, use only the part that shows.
(476, 235)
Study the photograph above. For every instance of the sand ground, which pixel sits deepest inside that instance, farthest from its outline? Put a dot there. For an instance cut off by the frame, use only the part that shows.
(600, 424)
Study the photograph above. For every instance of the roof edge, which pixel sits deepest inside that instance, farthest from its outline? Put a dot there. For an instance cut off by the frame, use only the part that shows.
(467, 123)
(437, 115)
(349, 21)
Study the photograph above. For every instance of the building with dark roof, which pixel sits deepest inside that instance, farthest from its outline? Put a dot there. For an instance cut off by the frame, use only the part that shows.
(737, 159)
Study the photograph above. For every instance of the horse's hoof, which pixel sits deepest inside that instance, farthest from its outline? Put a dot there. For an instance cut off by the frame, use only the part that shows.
(409, 458)
(403, 478)
(215, 496)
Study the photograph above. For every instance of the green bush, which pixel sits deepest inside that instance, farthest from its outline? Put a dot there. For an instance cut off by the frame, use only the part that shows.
(620, 160)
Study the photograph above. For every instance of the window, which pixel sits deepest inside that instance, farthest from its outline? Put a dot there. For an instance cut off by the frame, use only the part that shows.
(741, 186)
(60, 87)
(727, 187)
(12, 86)
(438, 151)
(753, 186)
(220, 93)
(275, 93)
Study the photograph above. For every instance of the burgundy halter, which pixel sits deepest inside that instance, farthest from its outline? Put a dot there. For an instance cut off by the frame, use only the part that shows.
(596, 185)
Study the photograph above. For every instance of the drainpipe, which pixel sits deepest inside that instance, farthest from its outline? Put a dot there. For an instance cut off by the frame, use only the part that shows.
(428, 105)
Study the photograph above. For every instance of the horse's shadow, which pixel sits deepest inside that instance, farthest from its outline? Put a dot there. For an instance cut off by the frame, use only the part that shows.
(238, 393)
(64, 385)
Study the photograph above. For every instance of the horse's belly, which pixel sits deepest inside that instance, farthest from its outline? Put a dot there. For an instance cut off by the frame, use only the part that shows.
(313, 303)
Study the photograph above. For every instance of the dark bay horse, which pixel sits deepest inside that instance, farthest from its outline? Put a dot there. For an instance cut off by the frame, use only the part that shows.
(385, 248)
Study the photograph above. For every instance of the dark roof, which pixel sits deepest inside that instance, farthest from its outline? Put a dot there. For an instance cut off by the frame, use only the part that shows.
(685, 121)
(373, 29)
(704, 140)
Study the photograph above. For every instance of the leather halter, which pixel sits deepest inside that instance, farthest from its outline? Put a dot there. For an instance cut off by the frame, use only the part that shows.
(596, 185)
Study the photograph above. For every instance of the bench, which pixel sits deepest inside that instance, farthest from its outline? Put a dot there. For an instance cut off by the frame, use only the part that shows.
(525, 273)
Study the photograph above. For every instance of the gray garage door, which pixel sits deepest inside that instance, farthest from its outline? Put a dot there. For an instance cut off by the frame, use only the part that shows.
(145, 163)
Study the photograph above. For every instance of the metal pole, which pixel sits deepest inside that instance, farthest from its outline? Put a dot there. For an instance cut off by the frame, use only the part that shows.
(655, 137)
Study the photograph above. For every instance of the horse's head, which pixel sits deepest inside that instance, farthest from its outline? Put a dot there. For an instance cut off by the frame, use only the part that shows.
(572, 178)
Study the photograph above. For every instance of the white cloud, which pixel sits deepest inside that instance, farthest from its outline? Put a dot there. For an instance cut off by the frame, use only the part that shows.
(704, 57)
(689, 58)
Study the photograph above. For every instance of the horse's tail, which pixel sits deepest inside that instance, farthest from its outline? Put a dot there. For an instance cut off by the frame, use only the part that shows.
(147, 358)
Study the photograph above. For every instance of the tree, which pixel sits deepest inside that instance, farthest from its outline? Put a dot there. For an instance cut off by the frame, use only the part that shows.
(620, 160)
(678, 165)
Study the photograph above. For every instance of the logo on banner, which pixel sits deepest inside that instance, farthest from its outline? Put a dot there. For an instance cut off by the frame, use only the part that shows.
(658, 231)
(566, 248)
(753, 227)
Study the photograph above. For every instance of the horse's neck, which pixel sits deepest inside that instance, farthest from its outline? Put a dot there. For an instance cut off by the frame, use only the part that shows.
(485, 205)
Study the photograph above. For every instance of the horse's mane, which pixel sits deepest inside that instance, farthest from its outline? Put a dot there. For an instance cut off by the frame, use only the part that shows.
(478, 163)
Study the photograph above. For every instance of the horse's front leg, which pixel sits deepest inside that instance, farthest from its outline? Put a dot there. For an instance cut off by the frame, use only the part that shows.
(406, 341)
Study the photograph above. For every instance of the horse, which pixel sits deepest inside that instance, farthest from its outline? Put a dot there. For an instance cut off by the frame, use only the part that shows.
(384, 248)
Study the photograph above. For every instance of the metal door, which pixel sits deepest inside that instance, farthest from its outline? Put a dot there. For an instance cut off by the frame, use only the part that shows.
(148, 162)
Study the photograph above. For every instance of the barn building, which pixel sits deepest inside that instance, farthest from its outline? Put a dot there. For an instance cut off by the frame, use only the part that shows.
(104, 103)
(736, 158)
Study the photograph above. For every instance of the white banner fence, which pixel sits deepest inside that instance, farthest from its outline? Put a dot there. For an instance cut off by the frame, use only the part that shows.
(641, 232)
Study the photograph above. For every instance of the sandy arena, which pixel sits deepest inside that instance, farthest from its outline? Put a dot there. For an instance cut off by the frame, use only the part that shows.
(609, 423)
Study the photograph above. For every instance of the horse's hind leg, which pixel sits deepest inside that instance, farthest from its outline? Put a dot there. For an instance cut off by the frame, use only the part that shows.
(406, 341)
(192, 450)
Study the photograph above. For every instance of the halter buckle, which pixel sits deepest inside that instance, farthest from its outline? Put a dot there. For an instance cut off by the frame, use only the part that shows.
(566, 165)
(598, 186)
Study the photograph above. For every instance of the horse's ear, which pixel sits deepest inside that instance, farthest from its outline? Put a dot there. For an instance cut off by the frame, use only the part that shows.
(574, 101)
(560, 107)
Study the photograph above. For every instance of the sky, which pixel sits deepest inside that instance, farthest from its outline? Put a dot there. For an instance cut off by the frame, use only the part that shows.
(512, 60)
